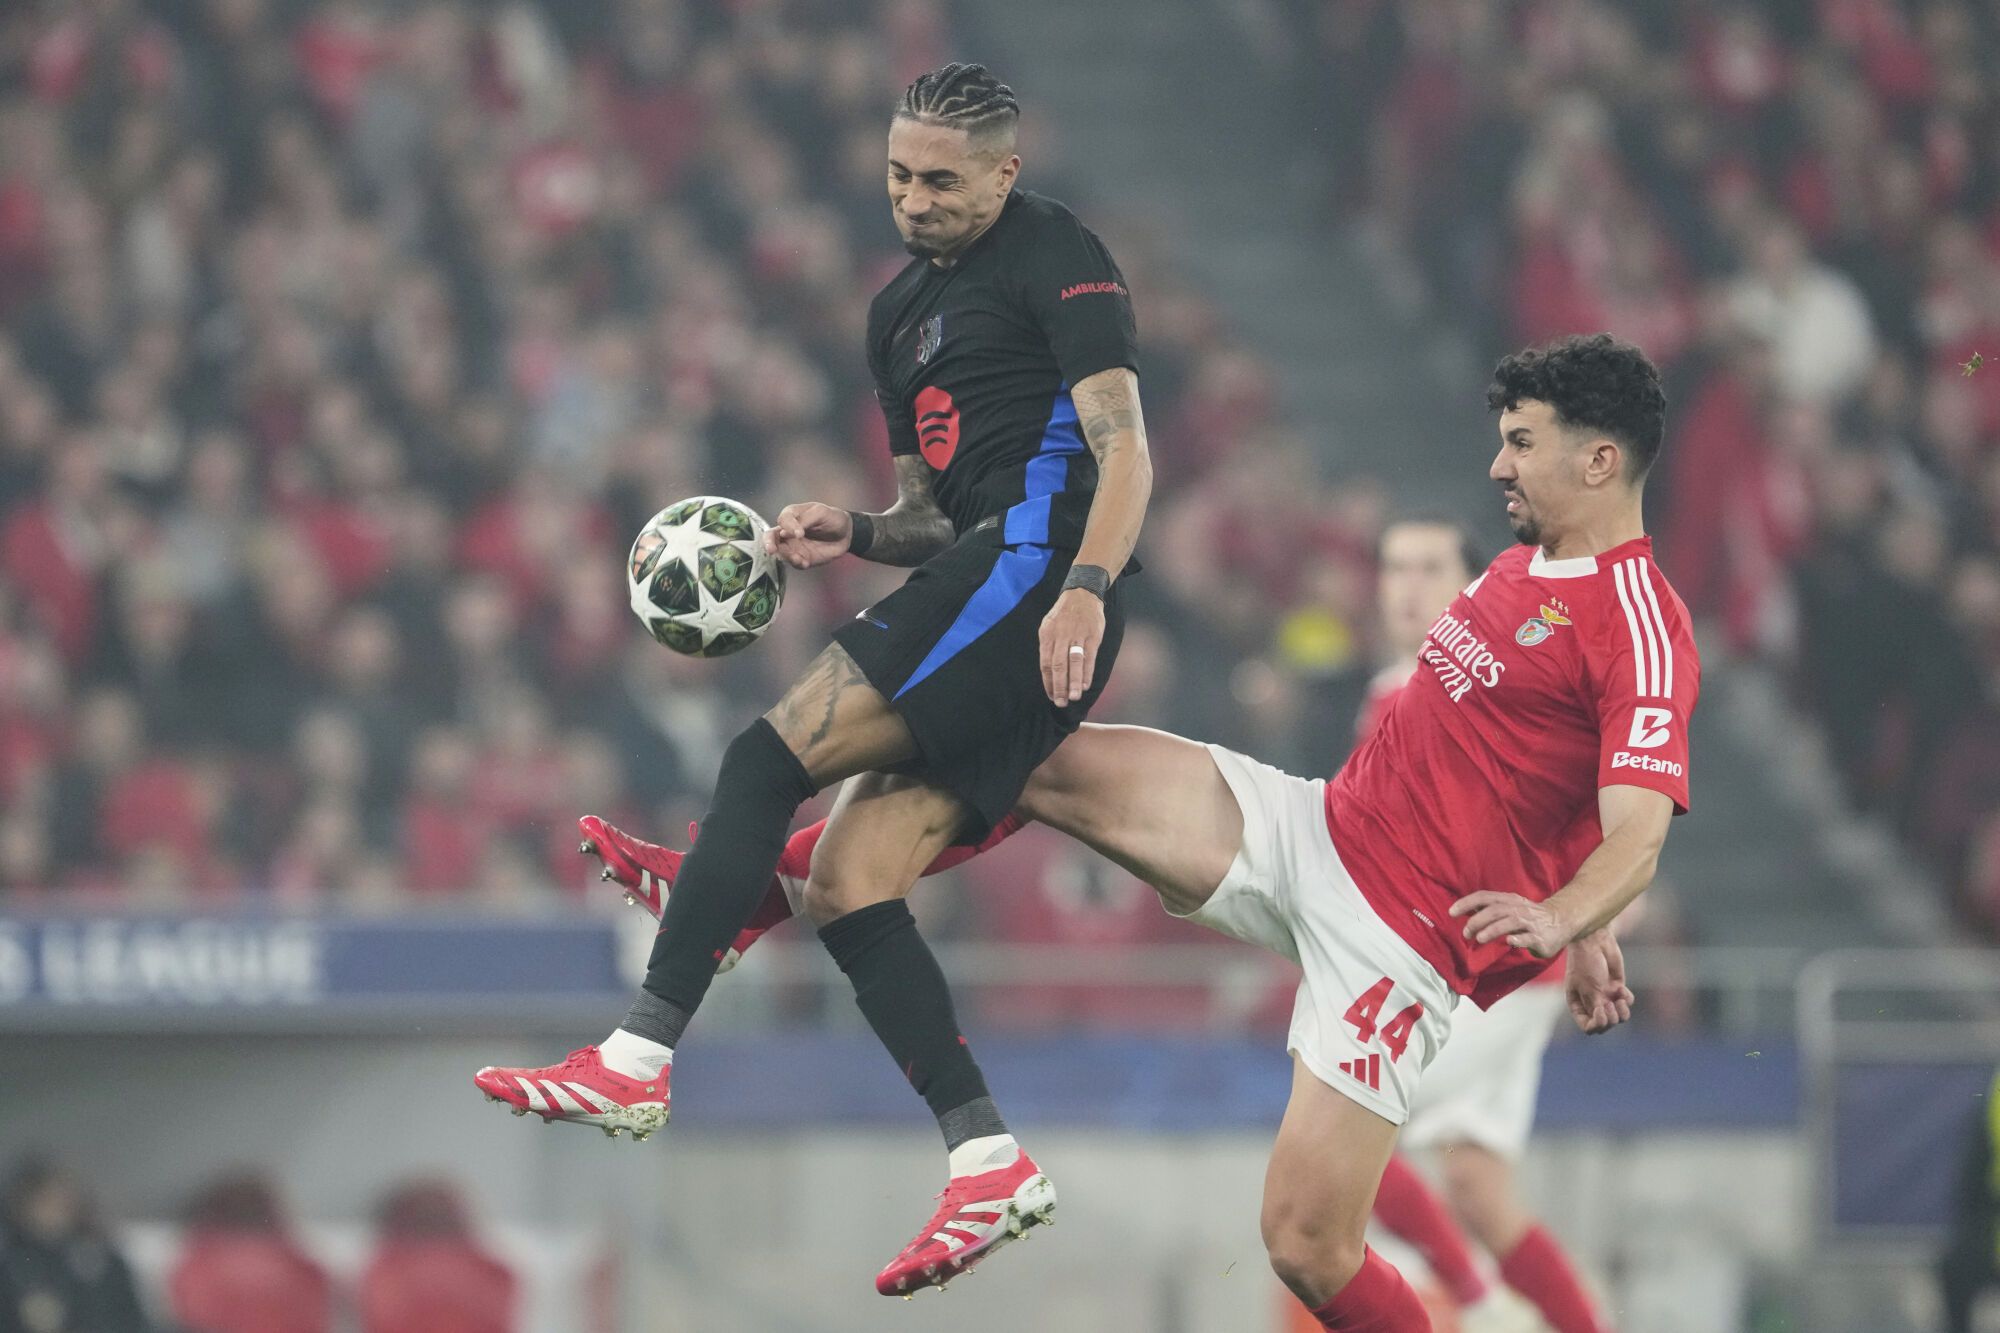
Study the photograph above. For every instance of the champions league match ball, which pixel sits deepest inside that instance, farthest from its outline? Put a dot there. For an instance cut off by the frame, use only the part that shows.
(700, 579)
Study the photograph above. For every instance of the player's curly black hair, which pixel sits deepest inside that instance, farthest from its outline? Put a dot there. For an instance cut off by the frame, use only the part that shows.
(962, 97)
(1597, 383)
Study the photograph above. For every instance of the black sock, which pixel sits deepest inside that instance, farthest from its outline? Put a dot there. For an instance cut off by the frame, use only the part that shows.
(903, 993)
(761, 786)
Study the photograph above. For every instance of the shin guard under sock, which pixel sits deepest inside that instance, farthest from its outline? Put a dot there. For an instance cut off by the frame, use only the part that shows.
(903, 994)
(725, 876)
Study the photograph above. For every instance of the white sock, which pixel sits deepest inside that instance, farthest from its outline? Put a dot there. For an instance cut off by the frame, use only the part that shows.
(634, 1056)
(976, 1157)
(795, 891)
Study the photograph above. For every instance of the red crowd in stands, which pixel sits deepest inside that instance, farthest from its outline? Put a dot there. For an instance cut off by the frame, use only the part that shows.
(1795, 208)
(343, 347)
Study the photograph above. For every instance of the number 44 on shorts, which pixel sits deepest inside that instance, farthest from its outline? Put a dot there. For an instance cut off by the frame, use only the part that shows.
(1367, 1009)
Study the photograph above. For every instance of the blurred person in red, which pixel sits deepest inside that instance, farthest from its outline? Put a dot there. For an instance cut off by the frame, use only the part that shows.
(59, 1270)
(112, 795)
(429, 1274)
(33, 713)
(240, 1269)
(441, 838)
(54, 548)
(1046, 892)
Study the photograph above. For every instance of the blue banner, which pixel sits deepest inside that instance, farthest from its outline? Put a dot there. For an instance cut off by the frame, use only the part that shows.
(263, 963)
(567, 978)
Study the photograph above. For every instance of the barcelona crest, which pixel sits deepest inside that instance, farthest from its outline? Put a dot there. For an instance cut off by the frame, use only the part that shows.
(929, 336)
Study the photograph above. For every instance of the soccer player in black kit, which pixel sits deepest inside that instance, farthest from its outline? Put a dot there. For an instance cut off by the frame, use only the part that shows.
(1003, 356)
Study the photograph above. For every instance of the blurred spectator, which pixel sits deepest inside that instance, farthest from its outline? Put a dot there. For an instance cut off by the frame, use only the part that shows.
(1040, 889)
(1796, 211)
(343, 347)
(239, 1269)
(1822, 340)
(429, 1273)
(59, 1271)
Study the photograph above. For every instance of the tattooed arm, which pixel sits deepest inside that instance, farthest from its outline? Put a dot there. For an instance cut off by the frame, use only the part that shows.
(1107, 408)
(912, 531)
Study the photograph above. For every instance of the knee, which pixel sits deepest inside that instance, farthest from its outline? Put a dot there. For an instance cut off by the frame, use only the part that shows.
(758, 764)
(1312, 1259)
(824, 902)
(832, 891)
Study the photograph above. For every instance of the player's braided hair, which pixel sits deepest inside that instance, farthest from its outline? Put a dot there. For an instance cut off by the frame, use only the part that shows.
(1597, 383)
(962, 97)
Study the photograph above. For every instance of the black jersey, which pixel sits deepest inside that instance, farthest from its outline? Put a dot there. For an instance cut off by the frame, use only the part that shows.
(973, 365)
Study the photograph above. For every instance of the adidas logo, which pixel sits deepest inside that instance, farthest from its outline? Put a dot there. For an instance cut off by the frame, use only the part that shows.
(1367, 1070)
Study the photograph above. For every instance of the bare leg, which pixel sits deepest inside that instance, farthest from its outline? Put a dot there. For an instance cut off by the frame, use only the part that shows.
(882, 835)
(836, 723)
(1480, 1185)
(883, 832)
(1152, 802)
(1318, 1191)
(830, 725)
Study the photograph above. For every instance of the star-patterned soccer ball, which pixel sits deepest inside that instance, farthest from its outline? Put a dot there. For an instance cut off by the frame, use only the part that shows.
(700, 579)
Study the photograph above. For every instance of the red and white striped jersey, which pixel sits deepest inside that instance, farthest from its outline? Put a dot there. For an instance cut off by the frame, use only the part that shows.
(1544, 681)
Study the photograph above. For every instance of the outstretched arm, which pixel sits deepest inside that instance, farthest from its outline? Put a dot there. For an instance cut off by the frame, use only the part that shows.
(1107, 410)
(911, 531)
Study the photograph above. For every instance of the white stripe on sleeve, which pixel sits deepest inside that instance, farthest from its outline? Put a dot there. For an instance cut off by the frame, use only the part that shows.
(1645, 577)
(1641, 659)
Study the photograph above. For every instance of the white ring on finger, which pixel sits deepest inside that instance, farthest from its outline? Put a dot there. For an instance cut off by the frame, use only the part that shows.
(1076, 650)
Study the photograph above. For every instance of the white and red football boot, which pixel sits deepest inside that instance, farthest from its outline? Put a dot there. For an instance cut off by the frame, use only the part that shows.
(643, 870)
(976, 1216)
(582, 1091)
(646, 872)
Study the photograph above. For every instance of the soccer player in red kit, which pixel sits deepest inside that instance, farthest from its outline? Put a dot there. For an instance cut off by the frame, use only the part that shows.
(1511, 802)
(1476, 1105)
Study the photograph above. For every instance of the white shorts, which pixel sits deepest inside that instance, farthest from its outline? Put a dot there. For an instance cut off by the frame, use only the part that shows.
(1371, 1014)
(1482, 1088)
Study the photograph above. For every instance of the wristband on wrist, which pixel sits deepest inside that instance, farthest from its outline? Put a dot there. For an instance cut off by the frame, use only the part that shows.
(1093, 579)
(864, 533)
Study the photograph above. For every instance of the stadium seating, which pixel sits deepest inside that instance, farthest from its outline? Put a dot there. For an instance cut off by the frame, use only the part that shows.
(1795, 208)
(343, 347)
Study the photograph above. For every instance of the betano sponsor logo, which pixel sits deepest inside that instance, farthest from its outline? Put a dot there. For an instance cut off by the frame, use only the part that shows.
(1649, 728)
(1646, 763)
(1460, 657)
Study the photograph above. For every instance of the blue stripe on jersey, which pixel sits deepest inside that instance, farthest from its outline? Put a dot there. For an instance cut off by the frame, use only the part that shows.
(1014, 575)
(1047, 472)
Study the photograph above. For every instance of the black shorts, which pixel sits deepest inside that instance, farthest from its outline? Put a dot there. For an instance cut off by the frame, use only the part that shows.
(957, 653)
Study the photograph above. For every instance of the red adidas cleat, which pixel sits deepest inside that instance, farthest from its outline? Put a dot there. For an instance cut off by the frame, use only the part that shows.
(642, 869)
(978, 1215)
(646, 871)
(582, 1091)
